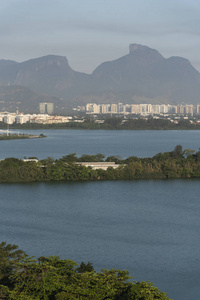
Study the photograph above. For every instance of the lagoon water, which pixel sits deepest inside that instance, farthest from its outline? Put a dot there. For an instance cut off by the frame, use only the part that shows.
(142, 143)
(149, 227)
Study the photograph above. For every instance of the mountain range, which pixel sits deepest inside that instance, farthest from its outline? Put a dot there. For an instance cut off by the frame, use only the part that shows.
(141, 76)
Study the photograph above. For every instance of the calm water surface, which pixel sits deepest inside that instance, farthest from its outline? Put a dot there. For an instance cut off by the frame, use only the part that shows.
(142, 143)
(149, 227)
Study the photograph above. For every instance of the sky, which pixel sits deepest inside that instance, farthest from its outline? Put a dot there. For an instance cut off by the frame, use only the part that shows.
(89, 32)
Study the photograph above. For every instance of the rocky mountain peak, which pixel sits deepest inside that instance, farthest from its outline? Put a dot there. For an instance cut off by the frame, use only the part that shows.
(49, 61)
(133, 47)
(143, 73)
(144, 52)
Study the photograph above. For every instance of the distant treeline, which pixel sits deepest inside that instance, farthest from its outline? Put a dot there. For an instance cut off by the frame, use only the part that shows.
(113, 123)
(174, 164)
(51, 278)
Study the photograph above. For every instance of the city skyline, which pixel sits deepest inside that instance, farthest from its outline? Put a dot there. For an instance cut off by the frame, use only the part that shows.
(140, 109)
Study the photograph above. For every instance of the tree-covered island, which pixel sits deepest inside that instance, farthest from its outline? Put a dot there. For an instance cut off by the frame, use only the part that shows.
(50, 278)
(178, 163)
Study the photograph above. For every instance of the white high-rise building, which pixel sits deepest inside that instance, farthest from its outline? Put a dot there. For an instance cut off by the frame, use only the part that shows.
(93, 108)
(155, 109)
(105, 108)
(113, 108)
(120, 108)
(9, 119)
(135, 109)
(46, 108)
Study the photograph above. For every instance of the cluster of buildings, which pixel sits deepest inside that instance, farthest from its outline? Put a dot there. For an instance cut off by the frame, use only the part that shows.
(140, 109)
(45, 116)
(20, 118)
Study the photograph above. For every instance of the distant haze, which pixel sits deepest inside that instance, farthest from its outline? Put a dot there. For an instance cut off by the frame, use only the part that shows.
(142, 75)
(90, 32)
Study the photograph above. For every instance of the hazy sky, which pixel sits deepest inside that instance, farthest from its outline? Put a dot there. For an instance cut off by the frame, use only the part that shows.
(89, 32)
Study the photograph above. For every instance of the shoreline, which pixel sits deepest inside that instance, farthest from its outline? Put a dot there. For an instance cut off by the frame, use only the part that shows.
(4, 137)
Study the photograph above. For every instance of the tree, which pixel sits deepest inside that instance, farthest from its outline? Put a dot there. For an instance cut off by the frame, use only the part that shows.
(114, 122)
(42, 280)
(188, 153)
(92, 285)
(117, 159)
(11, 162)
(177, 152)
(162, 156)
(70, 158)
(143, 291)
(10, 257)
(85, 267)
(47, 161)
(95, 158)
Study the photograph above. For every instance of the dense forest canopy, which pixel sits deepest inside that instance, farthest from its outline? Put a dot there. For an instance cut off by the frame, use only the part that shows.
(178, 163)
(50, 278)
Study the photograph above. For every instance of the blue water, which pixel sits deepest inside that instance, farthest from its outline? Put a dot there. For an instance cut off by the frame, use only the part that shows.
(149, 227)
(142, 143)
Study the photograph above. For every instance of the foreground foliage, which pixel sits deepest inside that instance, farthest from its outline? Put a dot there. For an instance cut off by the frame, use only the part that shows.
(51, 278)
(174, 164)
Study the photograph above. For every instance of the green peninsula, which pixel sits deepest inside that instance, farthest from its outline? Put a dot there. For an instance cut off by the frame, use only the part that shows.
(19, 136)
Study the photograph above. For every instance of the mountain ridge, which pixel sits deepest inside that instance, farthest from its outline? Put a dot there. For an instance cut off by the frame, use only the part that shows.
(141, 75)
